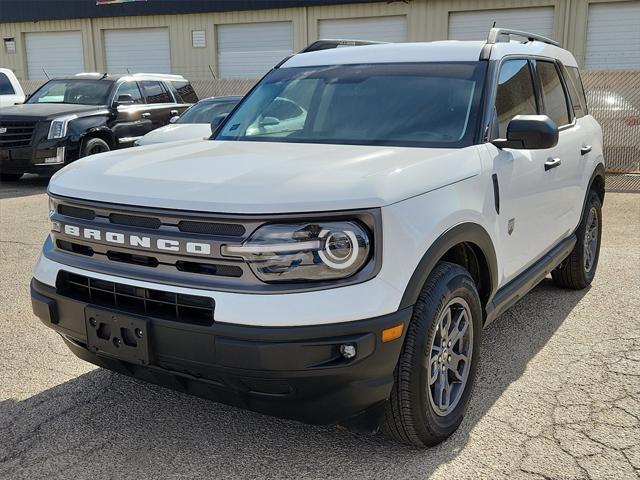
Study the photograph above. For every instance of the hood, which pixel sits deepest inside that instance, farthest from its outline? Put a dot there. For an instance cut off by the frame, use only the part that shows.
(46, 111)
(175, 132)
(262, 177)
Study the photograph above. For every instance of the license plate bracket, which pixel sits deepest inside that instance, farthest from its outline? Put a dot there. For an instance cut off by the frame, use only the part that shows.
(122, 336)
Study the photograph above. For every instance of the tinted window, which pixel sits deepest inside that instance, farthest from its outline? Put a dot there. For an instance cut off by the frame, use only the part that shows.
(515, 94)
(155, 92)
(411, 104)
(130, 88)
(576, 91)
(205, 112)
(84, 92)
(5, 85)
(185, 91)
(555, 100)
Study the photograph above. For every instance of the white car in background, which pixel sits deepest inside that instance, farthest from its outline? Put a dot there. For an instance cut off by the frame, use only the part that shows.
(195, 123)
(11, 92)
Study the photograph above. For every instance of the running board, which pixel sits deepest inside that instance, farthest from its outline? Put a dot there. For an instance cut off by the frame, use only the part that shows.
(517, 288)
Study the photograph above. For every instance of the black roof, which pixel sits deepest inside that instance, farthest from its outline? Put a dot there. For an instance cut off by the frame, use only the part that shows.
(31, 10)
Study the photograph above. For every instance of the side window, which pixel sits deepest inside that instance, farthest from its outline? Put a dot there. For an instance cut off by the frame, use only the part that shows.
(515, 94)
(555, 100)
(185, 91)
(155, 92)
(576, 91)
(130, 88)
(5, 85)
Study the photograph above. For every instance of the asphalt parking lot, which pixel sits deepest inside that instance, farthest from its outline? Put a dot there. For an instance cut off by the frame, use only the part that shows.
(558, 394)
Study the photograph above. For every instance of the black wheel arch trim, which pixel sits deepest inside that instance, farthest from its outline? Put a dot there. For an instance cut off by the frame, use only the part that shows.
(599, 171)
(461, 233)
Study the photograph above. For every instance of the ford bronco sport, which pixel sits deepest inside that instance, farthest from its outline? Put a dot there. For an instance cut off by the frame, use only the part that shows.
(341, 268)
(71, 117)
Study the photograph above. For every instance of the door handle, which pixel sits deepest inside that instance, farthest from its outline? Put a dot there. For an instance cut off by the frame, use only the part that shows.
(146, 115)
(173, 113)
(552, 163)
(585, 149)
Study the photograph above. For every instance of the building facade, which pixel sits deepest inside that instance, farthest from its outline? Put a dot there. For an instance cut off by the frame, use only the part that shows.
(243, 39)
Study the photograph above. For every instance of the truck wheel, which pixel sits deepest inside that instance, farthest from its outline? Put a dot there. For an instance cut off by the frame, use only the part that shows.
(579, 268)
(437, 367)
(94, 145)
(10, 177)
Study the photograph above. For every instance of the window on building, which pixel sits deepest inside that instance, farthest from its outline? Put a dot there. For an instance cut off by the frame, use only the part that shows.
(155, 92)
(555, 100)
(515, 94)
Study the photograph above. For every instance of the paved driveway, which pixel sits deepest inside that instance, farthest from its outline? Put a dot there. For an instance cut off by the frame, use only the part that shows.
(558, 393)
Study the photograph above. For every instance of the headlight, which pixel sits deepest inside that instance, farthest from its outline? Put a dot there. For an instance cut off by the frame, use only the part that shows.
(58, 127)
(305, 251)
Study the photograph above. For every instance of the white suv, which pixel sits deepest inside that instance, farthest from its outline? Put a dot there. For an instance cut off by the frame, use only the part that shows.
(340, 269)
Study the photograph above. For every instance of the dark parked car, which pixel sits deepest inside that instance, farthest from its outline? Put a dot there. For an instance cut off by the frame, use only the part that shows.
(72, 117)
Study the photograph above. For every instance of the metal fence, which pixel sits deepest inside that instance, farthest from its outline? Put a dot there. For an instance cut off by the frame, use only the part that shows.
(613, 97)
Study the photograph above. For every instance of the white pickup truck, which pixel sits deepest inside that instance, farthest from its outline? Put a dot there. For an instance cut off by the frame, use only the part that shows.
(336, 265)
(11, 92)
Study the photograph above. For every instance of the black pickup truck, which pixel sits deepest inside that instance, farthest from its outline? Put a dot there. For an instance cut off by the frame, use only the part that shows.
(72, 117)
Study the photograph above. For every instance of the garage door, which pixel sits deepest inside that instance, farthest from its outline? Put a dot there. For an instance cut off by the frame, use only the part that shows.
(613, 35)
(59, 53)
(249, 50)
(379, 29)
(137, 50)
(475, 25)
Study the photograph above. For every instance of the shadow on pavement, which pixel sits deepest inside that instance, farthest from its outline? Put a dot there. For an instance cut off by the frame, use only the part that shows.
(27, 185)
(105, 425)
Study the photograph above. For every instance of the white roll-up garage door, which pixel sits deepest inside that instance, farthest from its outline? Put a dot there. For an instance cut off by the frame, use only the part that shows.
(137, 50)
(475, 25)
(613, 35)
(59, 53)
(249, 50)
(379, 29)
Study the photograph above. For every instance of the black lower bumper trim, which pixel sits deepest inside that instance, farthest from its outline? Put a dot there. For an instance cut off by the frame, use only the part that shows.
(289, 372)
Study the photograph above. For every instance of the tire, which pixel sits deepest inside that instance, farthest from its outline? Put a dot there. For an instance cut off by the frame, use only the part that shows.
(94, 145)
(579, 268)
(10, 177)
(413, 414)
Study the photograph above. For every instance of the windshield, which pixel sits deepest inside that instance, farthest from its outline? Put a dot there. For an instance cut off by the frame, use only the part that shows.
(81, 92)
(205, 112)
(403, 104)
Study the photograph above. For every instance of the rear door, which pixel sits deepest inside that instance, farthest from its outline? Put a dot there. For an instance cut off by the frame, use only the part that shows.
(161, 105)
(129, 124)
(566, 178)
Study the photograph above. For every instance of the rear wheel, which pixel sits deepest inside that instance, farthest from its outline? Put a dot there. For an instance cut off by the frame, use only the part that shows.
(10, 177)
(93, 146)
(579, 268)
(438, 364)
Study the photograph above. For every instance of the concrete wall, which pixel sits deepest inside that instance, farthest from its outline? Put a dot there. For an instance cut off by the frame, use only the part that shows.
(426, 20)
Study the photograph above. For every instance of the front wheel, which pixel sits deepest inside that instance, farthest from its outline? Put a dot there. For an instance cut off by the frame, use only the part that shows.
(579, 268)
(439, 360)
(93, 146)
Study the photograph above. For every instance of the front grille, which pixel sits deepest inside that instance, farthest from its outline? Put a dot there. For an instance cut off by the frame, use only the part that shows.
(76, 212)
(135, 221)
(208, 228)
(191, 309)
(18, 134)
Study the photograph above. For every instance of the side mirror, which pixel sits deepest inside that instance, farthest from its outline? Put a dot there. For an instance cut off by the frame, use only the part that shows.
(269, 121)
(217, 121)
(529, 132)
(174, 119)
(123, 99)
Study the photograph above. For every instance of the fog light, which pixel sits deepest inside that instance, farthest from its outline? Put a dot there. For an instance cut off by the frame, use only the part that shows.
(59, 158)
(56, 227)
(348, 350)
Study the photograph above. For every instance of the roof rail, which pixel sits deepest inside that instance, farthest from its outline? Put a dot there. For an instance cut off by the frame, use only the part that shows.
(495, 33)
(159, 75)
(327, 44)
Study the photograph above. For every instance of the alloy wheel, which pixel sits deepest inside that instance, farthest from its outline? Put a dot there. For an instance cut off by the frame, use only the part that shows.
(591, 240)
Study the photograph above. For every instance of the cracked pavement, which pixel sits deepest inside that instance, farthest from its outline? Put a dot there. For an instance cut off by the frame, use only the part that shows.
(558, 393)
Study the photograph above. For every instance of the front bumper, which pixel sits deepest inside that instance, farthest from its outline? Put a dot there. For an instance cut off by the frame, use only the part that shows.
(32, 159)
(289, 372)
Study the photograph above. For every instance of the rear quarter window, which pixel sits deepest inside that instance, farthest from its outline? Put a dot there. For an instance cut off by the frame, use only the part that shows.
(185, 92)
(576, 91)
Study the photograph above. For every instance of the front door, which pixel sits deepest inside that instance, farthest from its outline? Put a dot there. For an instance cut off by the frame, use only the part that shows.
(527, 224)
